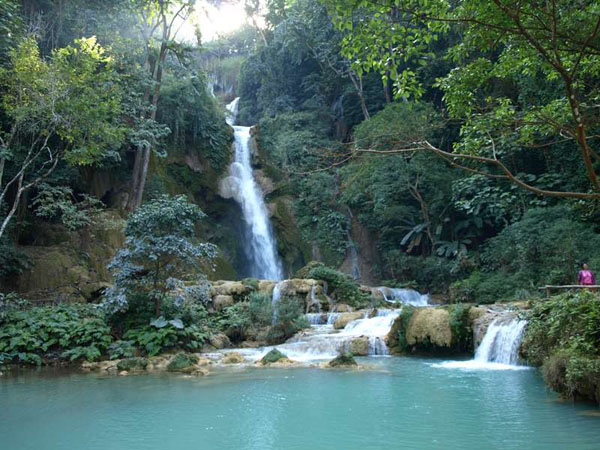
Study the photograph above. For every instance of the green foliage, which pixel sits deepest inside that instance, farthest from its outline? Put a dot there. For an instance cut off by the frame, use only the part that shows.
(12, 260)
(152, 340)
(68, 332)
(289, 319)
(547, 246)
(340, 286)
(57, 202)
(462, 334)
(181, 362)
(132, 364)
(343, 360)
(401, 326)
(121, 349)
(563, 336)
(160, 252)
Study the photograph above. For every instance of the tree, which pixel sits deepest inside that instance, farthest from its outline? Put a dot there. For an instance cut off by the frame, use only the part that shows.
(66, 108)
(505, 43)
(160, 252)
(165, 17)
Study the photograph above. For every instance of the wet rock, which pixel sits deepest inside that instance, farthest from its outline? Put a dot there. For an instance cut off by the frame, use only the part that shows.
(132, 364)
(342, 308)
(219, 341)
(343, 360)
(221, 302)
(182, 362)
(233, 358)
(346, 318)
(359, 346)
(272, 357)
(123, 373)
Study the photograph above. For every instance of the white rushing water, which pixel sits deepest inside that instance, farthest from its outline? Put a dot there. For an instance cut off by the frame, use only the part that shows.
(240, 185)
(323, 342)
(498, 349)
(404, 296)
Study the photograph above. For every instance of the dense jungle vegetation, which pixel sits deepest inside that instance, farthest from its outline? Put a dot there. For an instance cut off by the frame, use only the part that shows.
(451, 145)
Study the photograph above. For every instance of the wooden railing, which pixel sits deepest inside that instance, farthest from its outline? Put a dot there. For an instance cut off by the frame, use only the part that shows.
(550, 288)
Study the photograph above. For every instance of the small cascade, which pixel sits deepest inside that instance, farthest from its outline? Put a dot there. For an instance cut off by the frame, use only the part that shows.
(275, 299)
(259, 245)
(404, 296)
(501, 342)
(498, 349)
(321, 341)
(332, 317)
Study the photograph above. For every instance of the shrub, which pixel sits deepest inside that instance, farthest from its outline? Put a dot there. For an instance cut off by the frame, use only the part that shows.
(340, 286)
(397, 336)
(545, 247)
(153, 340)
(65, 331)
(563, 336)
(460, 324)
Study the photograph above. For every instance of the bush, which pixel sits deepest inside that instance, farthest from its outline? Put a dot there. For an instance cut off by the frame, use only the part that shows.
(66, 331)
(397, 336)
(153, 340)
(563, 336)
(485, 288)
(340, 286)
(460, 324)
(547, 246)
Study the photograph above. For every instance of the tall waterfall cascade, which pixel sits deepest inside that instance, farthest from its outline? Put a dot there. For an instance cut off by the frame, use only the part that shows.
(259, 243)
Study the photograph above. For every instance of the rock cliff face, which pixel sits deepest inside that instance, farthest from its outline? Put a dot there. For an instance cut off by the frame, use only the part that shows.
(69, 265)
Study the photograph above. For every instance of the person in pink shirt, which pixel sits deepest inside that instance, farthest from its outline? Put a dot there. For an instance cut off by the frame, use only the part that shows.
(586, 276)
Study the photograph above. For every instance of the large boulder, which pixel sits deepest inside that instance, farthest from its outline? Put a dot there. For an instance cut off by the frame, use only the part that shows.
(220, 302)
(342, 308)
(343, 360)
(132, 364)
(182, 362)
(346, 318)
(429, 326)
(272, 357)
(359, 346)
(219, 341)
(233, 358)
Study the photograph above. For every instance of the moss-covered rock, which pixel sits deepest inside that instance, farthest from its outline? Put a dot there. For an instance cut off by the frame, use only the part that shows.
(429, 327)
(273, 356)
(132, 364)
(343, 360)
(182, 362)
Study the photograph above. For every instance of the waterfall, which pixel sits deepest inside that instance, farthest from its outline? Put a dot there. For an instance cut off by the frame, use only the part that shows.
(260, 245)
(501, 342)
(275, 298)
(498, 349)
(322, 341)
(405, 296)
